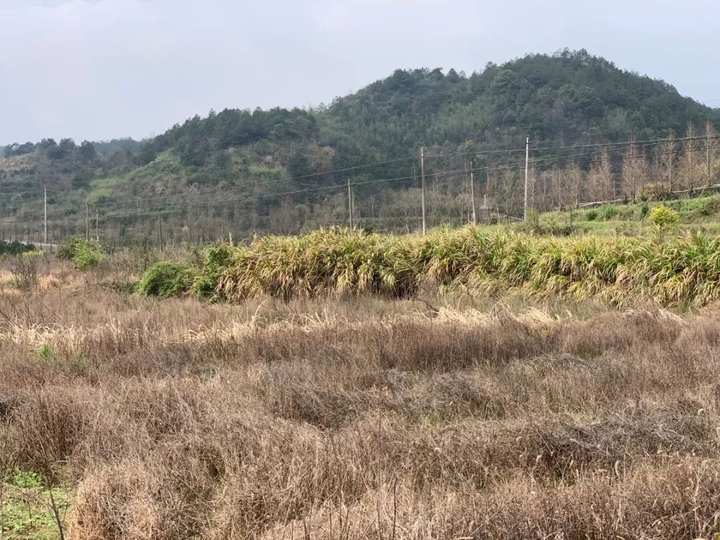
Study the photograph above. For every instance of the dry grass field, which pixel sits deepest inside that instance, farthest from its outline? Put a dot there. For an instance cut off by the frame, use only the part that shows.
(346, 418)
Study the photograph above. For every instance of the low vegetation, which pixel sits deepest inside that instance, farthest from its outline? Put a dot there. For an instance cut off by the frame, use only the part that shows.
(84, 254)
(473, 383)
(29, 509)
(166, 279)
(15, 248)
(681, 270)
(354, 417)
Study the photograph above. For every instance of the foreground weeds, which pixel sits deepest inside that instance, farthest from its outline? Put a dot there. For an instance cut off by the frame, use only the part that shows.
(360, 418)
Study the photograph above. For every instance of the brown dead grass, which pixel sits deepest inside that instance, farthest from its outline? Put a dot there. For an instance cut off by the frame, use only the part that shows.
(361, 419)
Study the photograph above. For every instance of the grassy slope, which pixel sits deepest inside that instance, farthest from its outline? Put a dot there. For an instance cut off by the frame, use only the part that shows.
(696, 214)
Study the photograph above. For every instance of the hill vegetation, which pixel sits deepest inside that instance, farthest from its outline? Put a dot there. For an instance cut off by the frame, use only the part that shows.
(220, 174)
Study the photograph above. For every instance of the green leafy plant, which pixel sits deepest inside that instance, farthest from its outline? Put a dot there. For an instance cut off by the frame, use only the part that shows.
(15, 248)
(663, 217)
(166, 279)
(217, 259)
(46, 353)
(26, 480)
(83, 253)
(608, 212)
(30, 507)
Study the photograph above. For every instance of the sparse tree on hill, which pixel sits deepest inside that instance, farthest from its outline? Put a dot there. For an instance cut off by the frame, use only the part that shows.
(689, 176)
(712, 154)
(635, 172)
(666, 158)
(600, 179)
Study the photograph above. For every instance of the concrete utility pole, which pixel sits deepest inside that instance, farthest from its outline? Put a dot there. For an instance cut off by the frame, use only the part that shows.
(472, 192)
(422, 188)
(45, 229)
(350, 205)
(527, 171)
(708, 171)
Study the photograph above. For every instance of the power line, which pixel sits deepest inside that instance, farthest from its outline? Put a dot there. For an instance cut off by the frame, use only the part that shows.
(245, 201)
(112, 205)
(504, 151)
(436, 175)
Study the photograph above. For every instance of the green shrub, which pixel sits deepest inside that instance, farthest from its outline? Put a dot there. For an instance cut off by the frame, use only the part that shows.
(46, 353)
(217, 259)
(166, 279)
(591, 215)
(663, 217)
(83, 254)
(15, 248)
(608, 212)
(644, 209)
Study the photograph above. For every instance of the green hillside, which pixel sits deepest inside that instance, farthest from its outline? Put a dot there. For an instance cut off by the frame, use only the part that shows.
(219, 174)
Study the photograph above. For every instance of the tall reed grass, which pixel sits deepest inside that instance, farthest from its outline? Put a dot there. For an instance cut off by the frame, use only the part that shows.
(678, 271)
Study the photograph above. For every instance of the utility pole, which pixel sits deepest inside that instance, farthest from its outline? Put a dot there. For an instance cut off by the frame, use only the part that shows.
(472, 192)
(708, 172)
(422, 188)
(350, 204)
(97, 225)
(45, 230)
(87, 221)
(527, 171)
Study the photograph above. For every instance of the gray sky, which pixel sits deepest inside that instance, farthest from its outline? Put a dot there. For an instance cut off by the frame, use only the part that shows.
(98, 69)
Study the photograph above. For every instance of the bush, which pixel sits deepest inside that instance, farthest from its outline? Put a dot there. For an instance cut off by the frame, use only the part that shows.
(15, 248)
(166, 279)
(24, 271)
(217, 259)
(608, 212)
(663, 217)
(83, 254)
(591, 215)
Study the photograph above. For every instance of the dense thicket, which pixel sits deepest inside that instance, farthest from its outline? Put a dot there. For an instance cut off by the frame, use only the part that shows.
(678, 271)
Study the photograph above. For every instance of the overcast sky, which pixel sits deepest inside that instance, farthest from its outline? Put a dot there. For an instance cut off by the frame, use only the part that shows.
(98, 69)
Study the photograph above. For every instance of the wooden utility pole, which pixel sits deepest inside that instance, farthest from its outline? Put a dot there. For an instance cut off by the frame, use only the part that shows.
(45, 228)
(350, 205)
(422, 188)
(527, 174)
(472, 193)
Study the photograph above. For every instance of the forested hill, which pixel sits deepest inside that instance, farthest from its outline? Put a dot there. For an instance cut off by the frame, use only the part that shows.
(566, 98)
